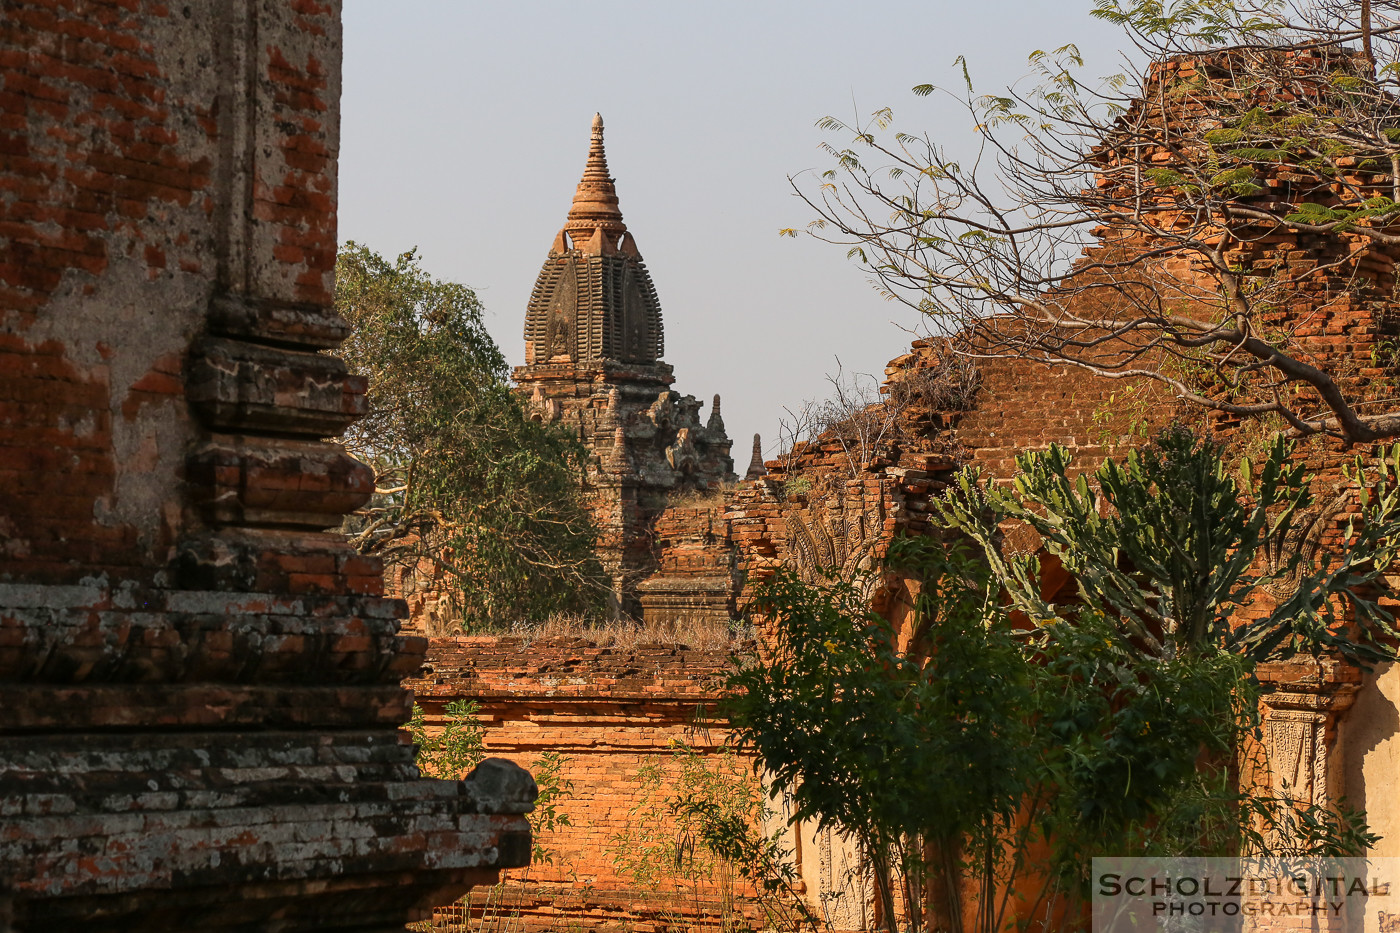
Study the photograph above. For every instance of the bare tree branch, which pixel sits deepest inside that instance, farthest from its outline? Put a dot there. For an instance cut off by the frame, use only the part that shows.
(1196, 223)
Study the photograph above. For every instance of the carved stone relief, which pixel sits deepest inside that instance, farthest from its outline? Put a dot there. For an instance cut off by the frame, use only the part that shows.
(839, 531)
(1288, 556)
(1300, 717)
(1296, 741)
(559, 333)
(662, 411)
(546, 410)
(843, 886)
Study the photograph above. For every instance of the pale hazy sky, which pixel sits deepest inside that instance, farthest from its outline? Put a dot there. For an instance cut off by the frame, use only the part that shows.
(465, 127)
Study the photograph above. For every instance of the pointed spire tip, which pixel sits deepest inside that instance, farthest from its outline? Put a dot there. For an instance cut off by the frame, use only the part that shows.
(595, 200)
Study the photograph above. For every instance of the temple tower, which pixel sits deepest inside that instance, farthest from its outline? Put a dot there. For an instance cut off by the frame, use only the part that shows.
(593, 345)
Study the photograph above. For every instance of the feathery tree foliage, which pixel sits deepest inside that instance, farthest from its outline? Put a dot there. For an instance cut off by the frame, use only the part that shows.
(468, 488)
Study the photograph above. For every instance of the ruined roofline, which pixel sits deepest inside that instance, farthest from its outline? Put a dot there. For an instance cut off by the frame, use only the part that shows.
(1315, 65)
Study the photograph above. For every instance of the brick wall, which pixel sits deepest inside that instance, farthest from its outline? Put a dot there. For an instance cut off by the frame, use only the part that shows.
(99, 140)
(199, 690)
(610, 711)
(819, 507)
(1338, 313)
(695, 578)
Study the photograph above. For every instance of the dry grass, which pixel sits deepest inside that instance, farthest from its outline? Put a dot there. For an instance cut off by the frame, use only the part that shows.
(700, 498)
(698, 634)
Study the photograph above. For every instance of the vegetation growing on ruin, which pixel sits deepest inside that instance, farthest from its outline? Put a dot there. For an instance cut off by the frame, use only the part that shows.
(1141, 226)
(700, 824)
(469, 491)
(1177, 549)
(460, 745)
(455, 749)
(951, 384)
(1003, 735)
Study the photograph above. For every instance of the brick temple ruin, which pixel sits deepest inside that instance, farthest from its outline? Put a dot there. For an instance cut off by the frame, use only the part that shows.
(1329, 729)
(200, 692)
(593, 346)
(200, 685)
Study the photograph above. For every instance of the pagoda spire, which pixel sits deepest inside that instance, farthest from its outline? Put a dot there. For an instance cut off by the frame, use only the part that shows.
(594, 299)
(595, 200)
(756, 467)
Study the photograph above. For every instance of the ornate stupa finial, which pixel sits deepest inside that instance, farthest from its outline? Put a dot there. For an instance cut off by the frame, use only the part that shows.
(595, 205)
(756, 467)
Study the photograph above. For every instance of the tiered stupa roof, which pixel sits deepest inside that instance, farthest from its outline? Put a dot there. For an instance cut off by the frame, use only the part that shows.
(594, 299)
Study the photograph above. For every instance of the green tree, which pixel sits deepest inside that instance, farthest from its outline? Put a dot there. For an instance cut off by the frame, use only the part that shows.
(1238, 124)
(1004, 739)
(878, 742)
(467, 485)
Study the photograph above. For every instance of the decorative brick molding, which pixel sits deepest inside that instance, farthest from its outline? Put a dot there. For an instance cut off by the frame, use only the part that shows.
(199, 682)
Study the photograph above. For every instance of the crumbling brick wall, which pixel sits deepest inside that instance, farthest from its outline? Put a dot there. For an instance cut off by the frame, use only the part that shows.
(610, 711)
(1336, 310)
(814, 513)
(199, 697)
(696, 575)
(1340, 316)
(817, 509)
(814, 510)
(97, 144)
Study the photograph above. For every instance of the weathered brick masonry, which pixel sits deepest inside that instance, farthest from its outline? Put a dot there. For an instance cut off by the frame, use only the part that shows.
(696, 576)
(610, 711)
(1337, 312)
(696, 555)
(199, 685)
(820, 507)
(1327, 728)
